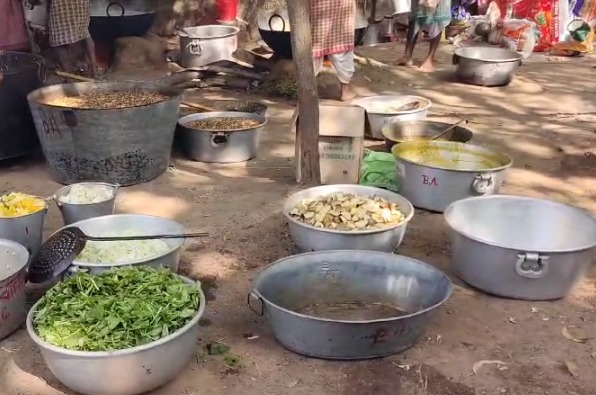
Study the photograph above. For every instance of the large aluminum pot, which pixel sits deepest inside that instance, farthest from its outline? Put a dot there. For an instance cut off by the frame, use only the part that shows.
(26, 230)
(72, 213)
(88, 144)
(381, 110)
(13, 266)
(348, 304)
(310, 238)
(486, 66)
(221, 146)
(202, 45)
(123, 372)
(520, 247)
(143, 224)
(434, 174)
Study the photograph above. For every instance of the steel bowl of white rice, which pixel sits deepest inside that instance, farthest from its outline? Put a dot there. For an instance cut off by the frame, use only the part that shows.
(102, 255)
(85, 200)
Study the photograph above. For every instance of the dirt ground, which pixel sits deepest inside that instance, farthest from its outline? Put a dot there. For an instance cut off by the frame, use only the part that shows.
(546, 120)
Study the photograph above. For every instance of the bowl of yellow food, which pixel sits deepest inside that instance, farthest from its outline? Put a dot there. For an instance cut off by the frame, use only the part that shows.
(21, 219)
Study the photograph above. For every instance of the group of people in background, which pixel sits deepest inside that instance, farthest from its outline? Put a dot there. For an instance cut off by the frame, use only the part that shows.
(332, 26)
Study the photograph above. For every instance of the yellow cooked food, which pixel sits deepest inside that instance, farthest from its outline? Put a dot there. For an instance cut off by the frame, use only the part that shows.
(454, 156)
(346, 211)
(17, 204)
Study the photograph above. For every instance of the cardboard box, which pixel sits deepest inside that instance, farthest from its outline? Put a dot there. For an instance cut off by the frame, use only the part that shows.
(341, 142)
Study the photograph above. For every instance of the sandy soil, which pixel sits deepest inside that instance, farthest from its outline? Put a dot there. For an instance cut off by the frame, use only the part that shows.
(545, 119)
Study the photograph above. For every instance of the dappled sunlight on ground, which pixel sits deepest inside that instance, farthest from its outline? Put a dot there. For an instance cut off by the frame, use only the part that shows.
(139, 202)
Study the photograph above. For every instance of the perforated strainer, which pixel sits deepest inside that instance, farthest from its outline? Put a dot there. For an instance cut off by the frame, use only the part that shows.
(61, 249)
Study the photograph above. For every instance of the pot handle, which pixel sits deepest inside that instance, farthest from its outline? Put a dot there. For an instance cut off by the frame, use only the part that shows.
(531, 265)
(283, 26)
(195, 47)
(218, 139)
(482, 183)
(112, 4)
(249, 300)
(455, 59)
(41, 71)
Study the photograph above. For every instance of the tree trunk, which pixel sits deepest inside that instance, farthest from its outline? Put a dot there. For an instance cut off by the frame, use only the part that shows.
(308, 99)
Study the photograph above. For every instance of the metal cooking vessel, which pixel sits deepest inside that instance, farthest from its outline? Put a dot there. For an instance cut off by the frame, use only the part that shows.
(310, 238)
(288, 286)
(377, 116)
(229, 146)
(434, 174)
(147, 224)
(114, 19)
(486, 66)
(203, 45)
(101, 151)
(13, 266)
(72, 213)
(520, 247)
(21, 73)
(123, 372)
(27, 230)
(398, 132)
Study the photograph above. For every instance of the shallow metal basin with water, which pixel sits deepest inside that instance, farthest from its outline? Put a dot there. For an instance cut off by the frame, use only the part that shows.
(348, 304)
(520, 247)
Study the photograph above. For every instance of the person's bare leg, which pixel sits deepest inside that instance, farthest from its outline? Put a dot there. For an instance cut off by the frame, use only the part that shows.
(411, 38)
(64, 58)
(347, 93)
(90, 49)
(427, 66)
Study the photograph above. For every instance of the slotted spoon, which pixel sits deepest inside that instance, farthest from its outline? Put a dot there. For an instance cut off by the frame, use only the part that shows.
(62, 248)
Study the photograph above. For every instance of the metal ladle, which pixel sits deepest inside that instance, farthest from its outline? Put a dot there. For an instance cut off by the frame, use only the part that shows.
(61, 249)
(448, 129)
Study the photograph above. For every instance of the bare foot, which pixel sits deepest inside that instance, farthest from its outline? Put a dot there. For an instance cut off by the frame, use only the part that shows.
(347, 93)
(405, 61)
(427, 66)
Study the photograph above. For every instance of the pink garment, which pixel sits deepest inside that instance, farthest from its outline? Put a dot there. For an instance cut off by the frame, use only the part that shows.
(13, 31)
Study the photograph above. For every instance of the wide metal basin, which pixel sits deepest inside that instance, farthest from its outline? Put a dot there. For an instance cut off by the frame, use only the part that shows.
(399, 132)
(310, 238)
(13, 266)
(379, 114)
(486, 66)
(143, 224)
(293, 292)
(520, 247)
(123, 372)
(434, 174)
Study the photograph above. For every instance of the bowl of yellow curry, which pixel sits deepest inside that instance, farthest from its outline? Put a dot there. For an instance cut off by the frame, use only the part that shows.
(21, 219)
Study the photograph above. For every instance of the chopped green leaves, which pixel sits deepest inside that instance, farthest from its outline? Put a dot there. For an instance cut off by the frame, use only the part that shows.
(117, 309)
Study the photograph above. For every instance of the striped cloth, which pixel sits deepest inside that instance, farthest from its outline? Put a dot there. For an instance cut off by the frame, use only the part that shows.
(332, 24)
(68, 21)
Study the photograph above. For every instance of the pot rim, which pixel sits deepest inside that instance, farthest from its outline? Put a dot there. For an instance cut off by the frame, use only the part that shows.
(20, 251)
(32, 97)
(60, 193)
(360, 322)
(43, 210)
(286, 211)
(222, 114)
(510, 60)
(116, 353)
(443, 142)
(234, 30)
(385, 128)
(178, 245)
(451, 207)
(426, 107)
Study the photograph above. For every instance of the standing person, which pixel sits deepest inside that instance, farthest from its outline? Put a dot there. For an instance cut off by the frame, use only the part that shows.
(68, 25)
(435, 20)
(332, 25)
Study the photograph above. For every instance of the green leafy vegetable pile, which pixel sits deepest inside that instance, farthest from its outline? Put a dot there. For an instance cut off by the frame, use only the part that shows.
(117, 309)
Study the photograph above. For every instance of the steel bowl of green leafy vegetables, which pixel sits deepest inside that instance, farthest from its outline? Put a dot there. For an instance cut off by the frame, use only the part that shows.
(124, 331)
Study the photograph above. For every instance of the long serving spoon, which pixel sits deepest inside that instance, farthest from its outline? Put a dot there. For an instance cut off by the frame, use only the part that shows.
(58, 252)
(448, 129)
